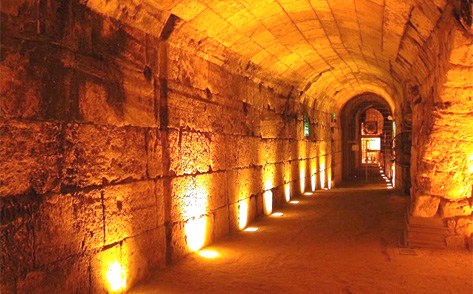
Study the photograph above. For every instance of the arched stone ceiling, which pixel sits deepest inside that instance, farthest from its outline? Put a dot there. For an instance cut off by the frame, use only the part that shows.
(330, 49)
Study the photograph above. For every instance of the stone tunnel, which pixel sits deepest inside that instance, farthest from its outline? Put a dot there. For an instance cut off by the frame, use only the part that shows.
(134, 133)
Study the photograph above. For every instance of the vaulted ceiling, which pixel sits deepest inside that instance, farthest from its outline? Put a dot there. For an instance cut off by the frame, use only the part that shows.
(323, 47)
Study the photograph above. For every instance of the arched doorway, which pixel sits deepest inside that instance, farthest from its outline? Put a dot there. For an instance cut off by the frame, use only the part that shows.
(368, 129)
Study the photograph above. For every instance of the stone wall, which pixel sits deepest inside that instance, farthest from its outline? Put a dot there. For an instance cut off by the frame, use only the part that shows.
(442, 152)
(121, 147)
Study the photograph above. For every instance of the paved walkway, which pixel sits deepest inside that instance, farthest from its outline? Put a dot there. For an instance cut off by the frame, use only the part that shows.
(339, 241)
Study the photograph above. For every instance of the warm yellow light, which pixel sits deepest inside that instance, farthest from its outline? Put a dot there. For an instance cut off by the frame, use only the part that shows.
(313, 182)
(302, 179)
(208, 253)
(393, 168)
(294, 202)
(268, 202)
(390, 187)
(471, 162)
(322, 179)
(277, 214)
(287, 192)
(195, 231)
(251, 229)
(116, 276)
(243, 214)
(308, 193)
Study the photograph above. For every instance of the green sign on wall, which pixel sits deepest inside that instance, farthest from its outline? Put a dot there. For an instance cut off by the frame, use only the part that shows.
(306, 126)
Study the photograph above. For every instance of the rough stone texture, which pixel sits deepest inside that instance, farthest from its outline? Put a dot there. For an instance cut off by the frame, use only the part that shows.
(117, 134)
(455, 242)
(442, 141)
(30, 153)
(114, 141)
(464, 226)
(425, 206)
(457, 208)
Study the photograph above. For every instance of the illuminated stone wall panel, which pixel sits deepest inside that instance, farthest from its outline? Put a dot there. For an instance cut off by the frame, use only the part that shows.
(95, 154)
(123, 151)
(143, 253)
(442, 142)
(30, 152)
(131, 209)
(68, 225)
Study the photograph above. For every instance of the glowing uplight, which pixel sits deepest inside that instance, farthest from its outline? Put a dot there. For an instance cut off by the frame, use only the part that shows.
(287, 192)
(277, 214)
(195, 232)
(322, 178)
(390, 187)
(243, 214)
(294, 202)
(308, 193)
(116, 276)
(194, 209)
(251, 229)
(208, 253)
(313, 182)
(268, 202)
(302, 178)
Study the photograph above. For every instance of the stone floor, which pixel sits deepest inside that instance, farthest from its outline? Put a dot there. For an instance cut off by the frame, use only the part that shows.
(344, 240)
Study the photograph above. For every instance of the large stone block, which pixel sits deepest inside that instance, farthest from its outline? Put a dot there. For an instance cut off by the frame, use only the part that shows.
(102, 264)
(130, 210)
(197, 195)
(190, 152)
(455, 208)
(143, 254)
(124, 98)
(449, 185)
(68, 225)
(70, 275)
(190, 235)
(242, 183)
(16, 246)
(30, 155)
(22, 89)
(424, 205)
(464, 226)
(97, 154)
(187, 69)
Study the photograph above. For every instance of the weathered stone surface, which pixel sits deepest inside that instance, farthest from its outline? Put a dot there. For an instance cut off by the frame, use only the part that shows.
(190, 152)
(457, 208)
(16, 244)
(65, 276)
(99, 267)
(197, 195)
(143, 254)
(154, 152)
(425, 206)
(97, 154)
(456, 242)
(221, 225)
(449, 185)
(68, 225)
(130, 210)
(30, 155)
(464, 226)
(244, 183)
